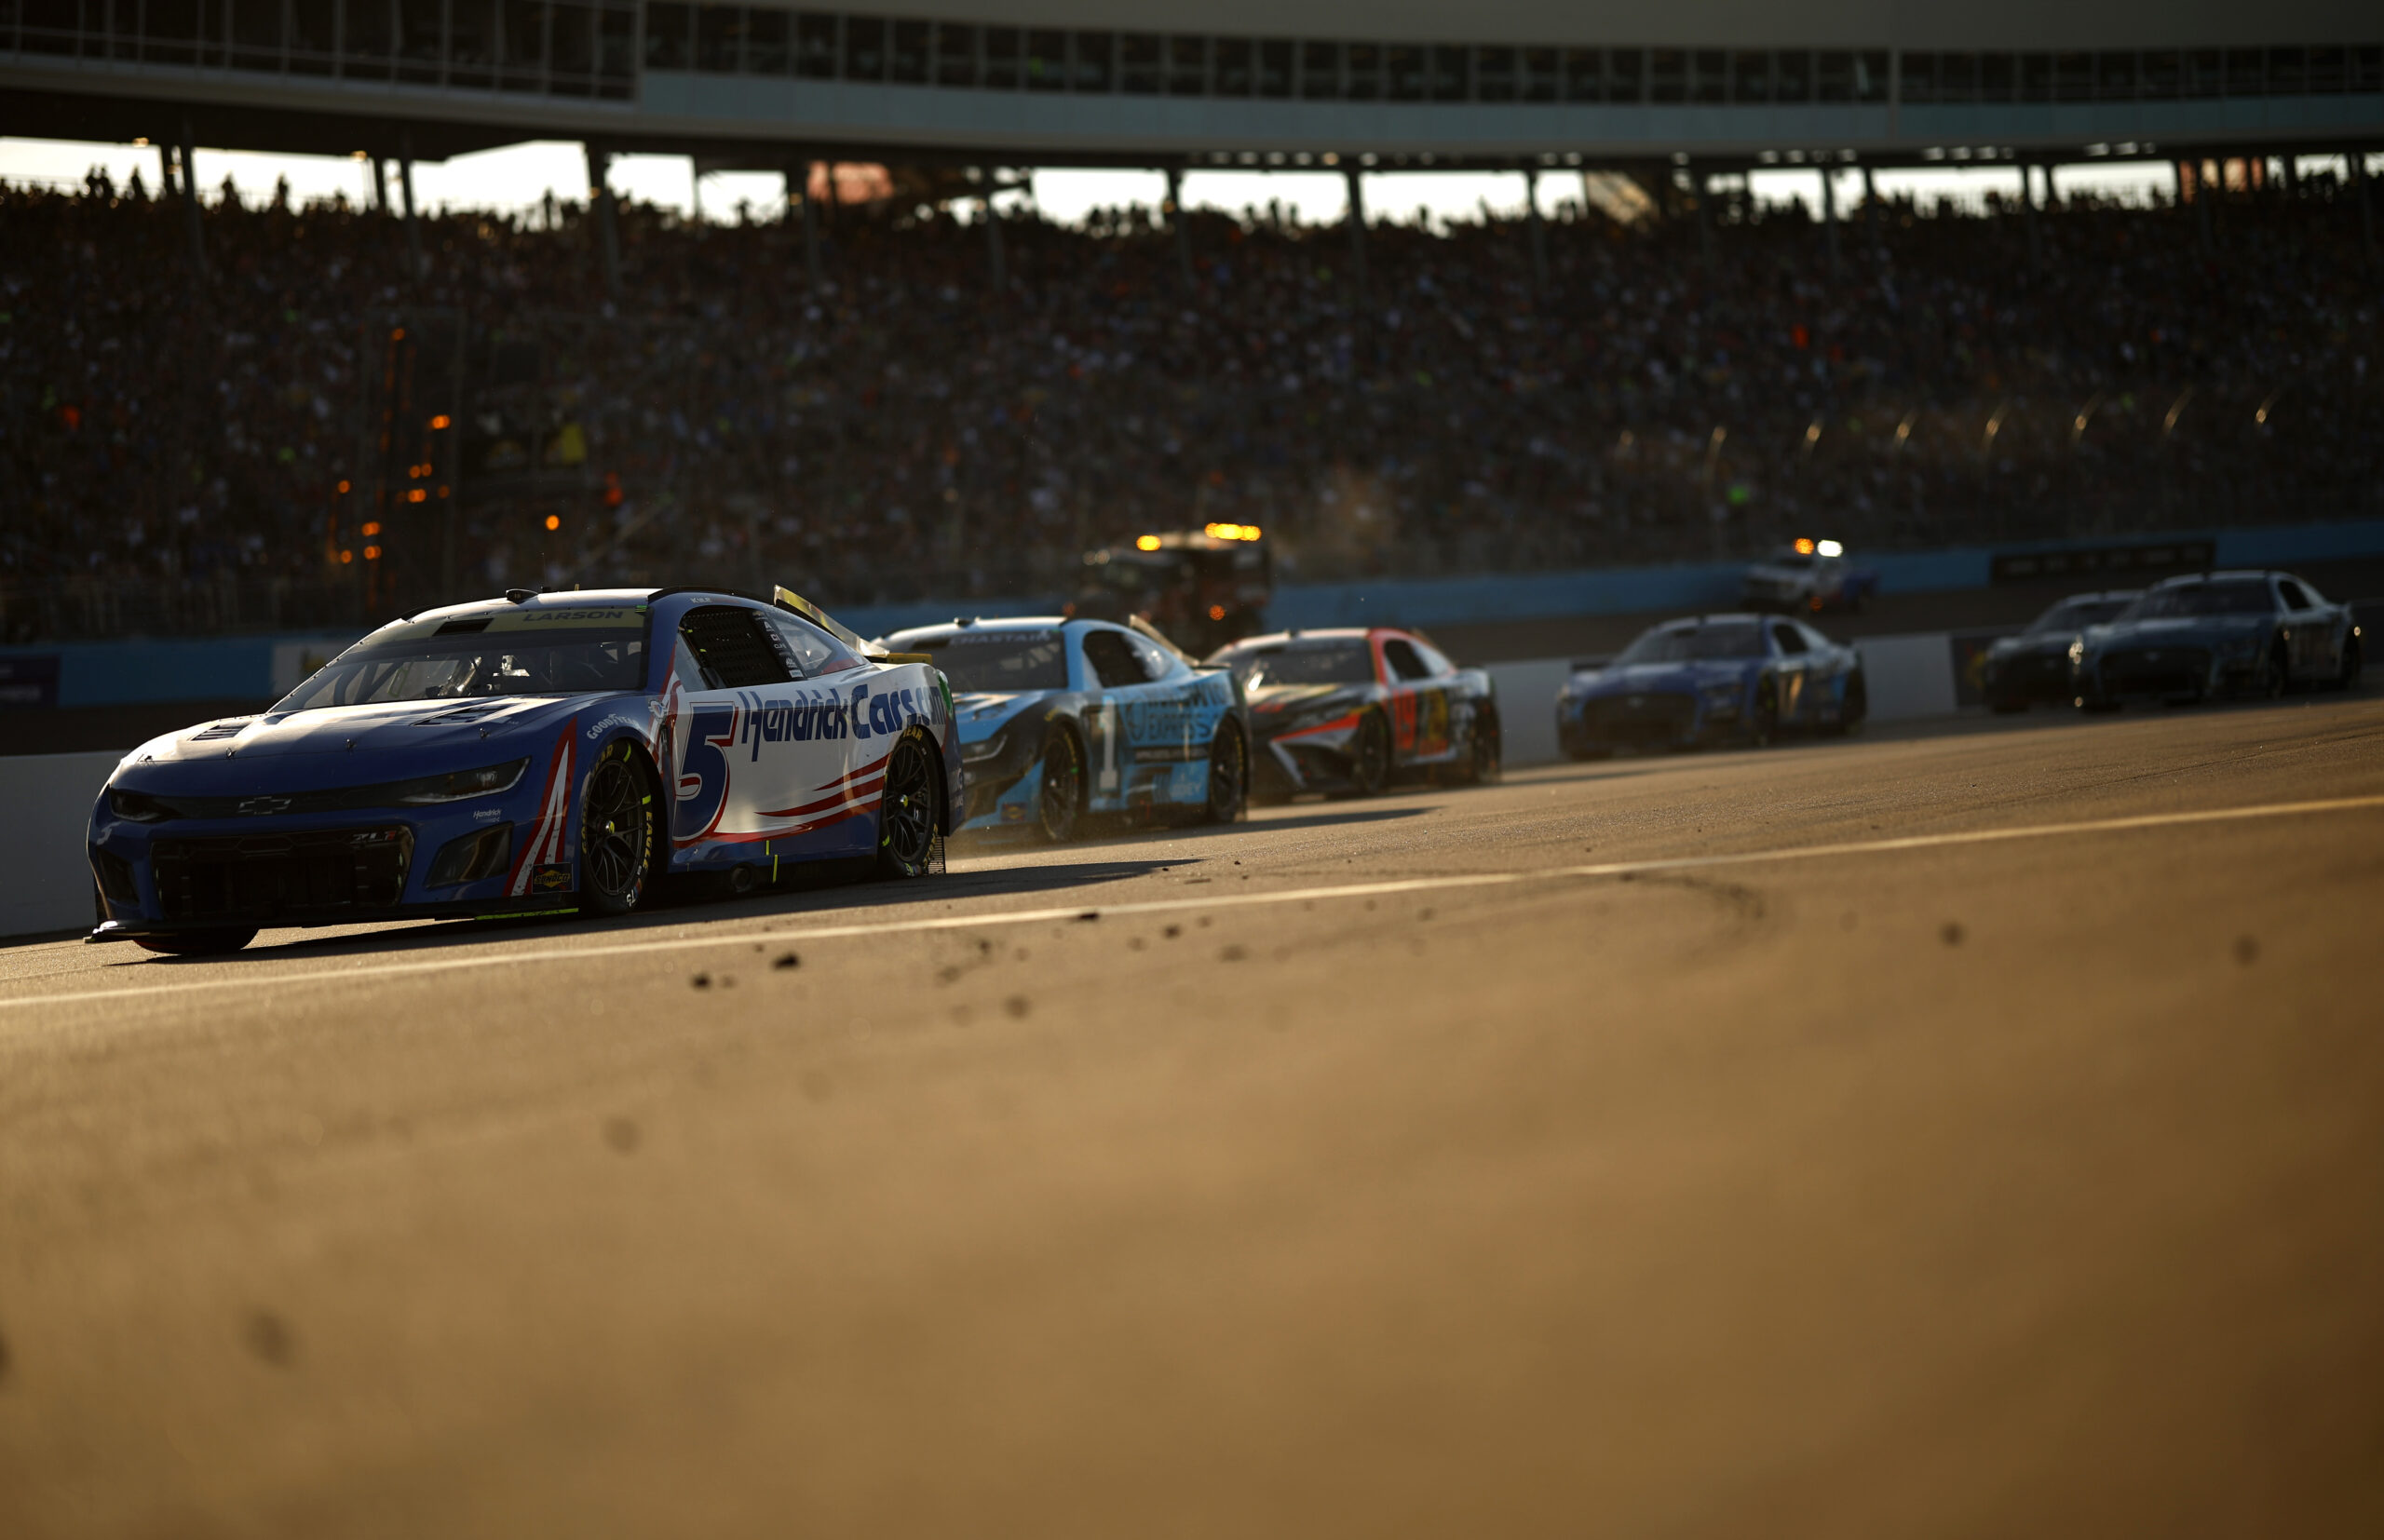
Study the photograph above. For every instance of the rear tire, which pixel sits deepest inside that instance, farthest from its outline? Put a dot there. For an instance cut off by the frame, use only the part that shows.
(1062, 800)
(617, 832)
(2347, 671)
(1228, 774)
(197, 944)
(907, 832)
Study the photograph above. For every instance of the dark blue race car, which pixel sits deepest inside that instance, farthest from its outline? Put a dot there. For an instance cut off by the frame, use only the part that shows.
(1714, 678)
(2255, 633)
(2035, 666)
(533, 753)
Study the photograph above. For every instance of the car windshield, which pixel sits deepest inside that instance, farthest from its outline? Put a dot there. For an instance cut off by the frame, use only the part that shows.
(1350, 662)
(2074, 615)
(2249, 596)
(569, 660)
(1695, 644)
(997, 662)
(1792, 559)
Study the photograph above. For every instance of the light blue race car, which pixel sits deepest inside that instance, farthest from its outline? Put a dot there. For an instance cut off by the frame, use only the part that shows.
(1061, 718)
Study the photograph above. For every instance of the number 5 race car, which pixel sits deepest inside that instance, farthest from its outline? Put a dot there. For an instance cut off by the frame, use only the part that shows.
(541, 753)
(1060, 718)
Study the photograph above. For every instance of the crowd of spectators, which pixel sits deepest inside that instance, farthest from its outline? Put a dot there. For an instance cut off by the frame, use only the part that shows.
(1482, 397)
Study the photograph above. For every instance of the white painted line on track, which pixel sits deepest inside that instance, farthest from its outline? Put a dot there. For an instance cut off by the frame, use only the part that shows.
(1164, 906)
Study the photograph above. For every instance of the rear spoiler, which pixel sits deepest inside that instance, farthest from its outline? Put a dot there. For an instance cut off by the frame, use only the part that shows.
(788, 599)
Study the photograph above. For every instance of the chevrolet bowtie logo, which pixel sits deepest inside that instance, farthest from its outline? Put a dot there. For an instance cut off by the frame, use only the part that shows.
(264, 805)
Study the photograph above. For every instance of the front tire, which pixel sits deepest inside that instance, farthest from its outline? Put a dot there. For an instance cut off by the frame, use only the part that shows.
(1853, 706)
(1228, 774)
(618, 830)
(907, 832)
(1056, 810)
(1370, 761)
(1764, 725)
(1486, 749)
(2347, 671)
(2276, 676)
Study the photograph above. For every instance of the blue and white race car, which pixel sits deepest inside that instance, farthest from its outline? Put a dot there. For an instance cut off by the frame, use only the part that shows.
(538, 753)
(1060, 718)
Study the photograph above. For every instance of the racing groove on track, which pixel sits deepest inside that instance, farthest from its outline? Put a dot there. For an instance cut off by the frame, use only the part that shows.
(1986, 1183)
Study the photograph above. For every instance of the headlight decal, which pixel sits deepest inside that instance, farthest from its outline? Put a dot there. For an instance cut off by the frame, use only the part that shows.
(486, 781)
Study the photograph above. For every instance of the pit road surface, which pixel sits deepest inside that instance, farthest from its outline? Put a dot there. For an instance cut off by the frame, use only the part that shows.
(1357, 1171)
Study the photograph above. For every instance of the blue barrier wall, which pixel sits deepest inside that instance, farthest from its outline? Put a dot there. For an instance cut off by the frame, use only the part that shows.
(138, 670)
(142, 669)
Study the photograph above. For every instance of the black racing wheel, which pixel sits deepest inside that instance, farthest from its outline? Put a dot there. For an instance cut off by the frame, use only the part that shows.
(1486, 749)
(1856, 704)
(1062, 799)
(1228, 774)
(2347, 671)
(618, 828)
(1370, 761)
(1764, 725)
(906, 809)
(2276, 673)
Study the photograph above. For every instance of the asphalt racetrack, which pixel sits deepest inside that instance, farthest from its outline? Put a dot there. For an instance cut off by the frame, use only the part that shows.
(1970, 1133)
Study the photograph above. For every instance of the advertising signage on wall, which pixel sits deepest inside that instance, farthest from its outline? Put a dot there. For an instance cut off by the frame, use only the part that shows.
(2114, 561)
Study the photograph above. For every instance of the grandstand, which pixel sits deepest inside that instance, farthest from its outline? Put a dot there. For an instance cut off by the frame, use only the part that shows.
(270, 417)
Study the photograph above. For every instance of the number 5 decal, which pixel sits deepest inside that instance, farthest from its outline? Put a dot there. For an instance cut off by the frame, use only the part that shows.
(703, 777)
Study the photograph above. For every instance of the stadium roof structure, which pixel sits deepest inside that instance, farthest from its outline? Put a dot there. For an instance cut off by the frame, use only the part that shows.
(1308, 82)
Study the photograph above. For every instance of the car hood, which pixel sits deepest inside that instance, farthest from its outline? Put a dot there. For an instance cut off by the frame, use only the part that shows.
(1660, 678)
(353, 745)
(1779, 574)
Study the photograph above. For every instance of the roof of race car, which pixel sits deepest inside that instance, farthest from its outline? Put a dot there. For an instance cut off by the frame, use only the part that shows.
(577, 598)
(1001, 623)
(1728, 616)
(1322, 633)
(2230, 575)
(521, 602)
